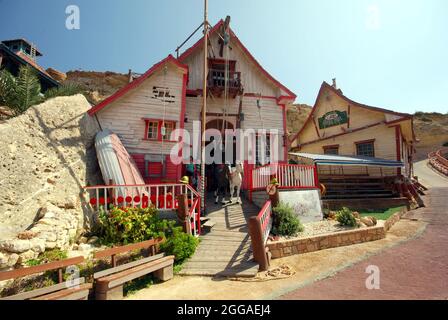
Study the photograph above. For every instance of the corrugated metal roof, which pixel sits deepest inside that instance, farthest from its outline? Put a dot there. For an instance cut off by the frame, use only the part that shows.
(338, 160)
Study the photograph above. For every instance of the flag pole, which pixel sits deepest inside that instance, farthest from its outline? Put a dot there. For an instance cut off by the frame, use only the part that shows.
(204, 104)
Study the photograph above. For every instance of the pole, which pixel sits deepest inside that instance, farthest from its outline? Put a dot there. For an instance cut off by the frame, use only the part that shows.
(204, 104)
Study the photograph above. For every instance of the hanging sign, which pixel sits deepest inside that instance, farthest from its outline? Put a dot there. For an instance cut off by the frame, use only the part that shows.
(332, 118)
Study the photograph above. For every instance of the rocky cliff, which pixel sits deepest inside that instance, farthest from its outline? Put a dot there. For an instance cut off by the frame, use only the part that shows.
(46, 157)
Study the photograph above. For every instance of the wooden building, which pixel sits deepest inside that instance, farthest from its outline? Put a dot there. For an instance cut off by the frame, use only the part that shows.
(169, 96)
(18, 52)
(338, 125)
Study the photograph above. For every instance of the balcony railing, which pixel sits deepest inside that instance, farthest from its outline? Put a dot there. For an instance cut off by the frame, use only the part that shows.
(216, 82)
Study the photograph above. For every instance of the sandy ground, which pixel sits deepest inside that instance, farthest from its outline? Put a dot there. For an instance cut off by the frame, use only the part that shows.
(309, 267)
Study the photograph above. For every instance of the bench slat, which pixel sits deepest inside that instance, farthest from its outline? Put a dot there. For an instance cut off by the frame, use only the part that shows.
(129, 247)
(40, 292)
(68, 294)
(117, 279)
(17, 273)
(125, 266)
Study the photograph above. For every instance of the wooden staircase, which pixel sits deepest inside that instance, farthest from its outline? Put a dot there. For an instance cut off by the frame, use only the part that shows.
(362, 187)
(226, 249)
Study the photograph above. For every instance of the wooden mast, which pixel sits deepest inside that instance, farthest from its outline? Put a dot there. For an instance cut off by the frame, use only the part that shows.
(204, 104)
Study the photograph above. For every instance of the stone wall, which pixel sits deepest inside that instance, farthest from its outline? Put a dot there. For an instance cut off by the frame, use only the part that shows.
(47, 156)
(281, 249)
(285, 248)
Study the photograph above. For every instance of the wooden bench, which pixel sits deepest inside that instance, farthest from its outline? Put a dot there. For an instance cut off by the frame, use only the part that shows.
(109, 283)
(61, 291)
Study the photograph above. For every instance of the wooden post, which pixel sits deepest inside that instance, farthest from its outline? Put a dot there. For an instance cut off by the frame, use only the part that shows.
(1, 60)
(182, 212)
(204, 104)
(275, 198)
(258, 247)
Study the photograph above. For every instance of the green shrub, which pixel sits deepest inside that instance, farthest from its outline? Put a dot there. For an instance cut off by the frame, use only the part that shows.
(285, 222)
(346, 218)
(68, 89)
(180, 244)
(123, 226)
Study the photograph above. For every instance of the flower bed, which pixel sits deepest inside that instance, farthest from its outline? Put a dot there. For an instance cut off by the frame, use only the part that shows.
(329, 234)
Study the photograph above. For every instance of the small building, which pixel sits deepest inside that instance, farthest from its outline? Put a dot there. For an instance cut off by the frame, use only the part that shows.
(362, 153)
(169, 96)
(338, 125)
(18, 52)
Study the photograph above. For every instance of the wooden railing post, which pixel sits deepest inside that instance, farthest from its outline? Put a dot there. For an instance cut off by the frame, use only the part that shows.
(258, 246)
(182, 212)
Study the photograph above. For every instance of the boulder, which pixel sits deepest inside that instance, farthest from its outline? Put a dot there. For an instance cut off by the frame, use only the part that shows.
(26, 235)
(16, 245)
(93, 240)
(367, 221)
(37, 245)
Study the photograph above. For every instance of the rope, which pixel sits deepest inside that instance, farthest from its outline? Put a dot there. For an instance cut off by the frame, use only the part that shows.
(283, 271)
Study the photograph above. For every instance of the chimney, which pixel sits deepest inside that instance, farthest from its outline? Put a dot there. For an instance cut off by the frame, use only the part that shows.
(334, 84)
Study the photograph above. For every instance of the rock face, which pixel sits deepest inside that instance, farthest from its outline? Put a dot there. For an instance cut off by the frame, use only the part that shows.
(46, 156)
(296, 115)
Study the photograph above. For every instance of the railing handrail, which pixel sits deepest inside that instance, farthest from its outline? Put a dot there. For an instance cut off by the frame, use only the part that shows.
(155, 185)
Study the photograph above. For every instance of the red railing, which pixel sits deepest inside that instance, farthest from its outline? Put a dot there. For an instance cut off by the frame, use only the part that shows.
(438, 162)
(161, 196)
(265, 217)
(259, 229)
(289, 176)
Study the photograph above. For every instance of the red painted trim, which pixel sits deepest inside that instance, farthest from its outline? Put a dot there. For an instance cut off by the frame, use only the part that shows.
(398, 146)
(365, 141)
(331, 146)
(191, 92)
(348, 120)
(325, 86)
(341, 134)
(199, 43)
(136, 83)
(159, 129)
(315, 127)
(396, 121)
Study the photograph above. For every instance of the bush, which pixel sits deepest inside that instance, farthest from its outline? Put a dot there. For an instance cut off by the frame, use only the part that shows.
(285, 222)
(346, 218)
(180, 244)
(123, 226)
(68, 89)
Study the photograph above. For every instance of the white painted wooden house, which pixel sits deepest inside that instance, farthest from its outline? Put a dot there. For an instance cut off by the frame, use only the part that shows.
(169, 96)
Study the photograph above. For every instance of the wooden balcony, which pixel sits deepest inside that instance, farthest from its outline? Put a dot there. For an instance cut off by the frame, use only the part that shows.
(216, 83)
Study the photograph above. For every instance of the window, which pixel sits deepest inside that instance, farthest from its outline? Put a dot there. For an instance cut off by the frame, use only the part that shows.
(365, 148)
(263, 149)
(169, 128)
(154, 129)
(331, 149)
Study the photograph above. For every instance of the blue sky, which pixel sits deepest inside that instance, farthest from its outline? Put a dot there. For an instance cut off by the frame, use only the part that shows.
(391, 53)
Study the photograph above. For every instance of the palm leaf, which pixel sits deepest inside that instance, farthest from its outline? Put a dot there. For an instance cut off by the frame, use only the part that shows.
(27, 89)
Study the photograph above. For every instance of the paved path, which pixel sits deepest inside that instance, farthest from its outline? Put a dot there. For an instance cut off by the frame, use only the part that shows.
(225, 251)
(417, 269)
(428, 176)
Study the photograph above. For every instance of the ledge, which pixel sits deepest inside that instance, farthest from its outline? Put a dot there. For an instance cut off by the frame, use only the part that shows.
(289, 247)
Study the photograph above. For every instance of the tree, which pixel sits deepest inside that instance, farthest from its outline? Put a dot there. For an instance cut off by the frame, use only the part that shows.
(21, 92)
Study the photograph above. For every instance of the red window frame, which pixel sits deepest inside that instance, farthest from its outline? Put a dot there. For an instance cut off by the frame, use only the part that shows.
(159, 129)
(370, 141)
(331, 147)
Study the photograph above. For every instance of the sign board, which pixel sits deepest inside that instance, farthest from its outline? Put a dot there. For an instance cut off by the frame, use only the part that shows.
(333, 118)
(306, 204)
